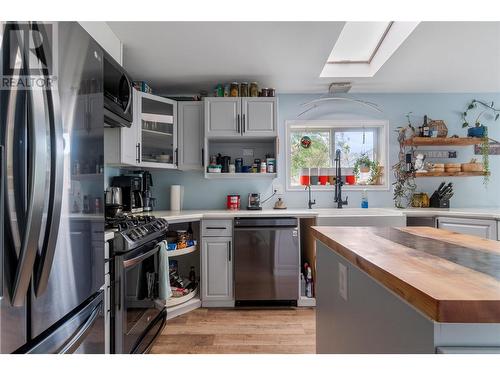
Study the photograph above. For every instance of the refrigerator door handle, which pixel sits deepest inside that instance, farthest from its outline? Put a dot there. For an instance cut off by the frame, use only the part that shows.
(44, 261)
(2, 189)
(36, 196)
(82, 332)
(67, 338)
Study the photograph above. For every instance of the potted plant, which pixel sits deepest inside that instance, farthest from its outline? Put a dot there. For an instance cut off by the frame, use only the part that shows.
(363, 164)
(478, 130)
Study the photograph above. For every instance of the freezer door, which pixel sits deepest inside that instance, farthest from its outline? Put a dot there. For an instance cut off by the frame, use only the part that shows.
(82, 332)
(69, 266)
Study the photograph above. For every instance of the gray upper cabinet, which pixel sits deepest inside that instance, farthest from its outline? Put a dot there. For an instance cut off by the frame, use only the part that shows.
(240, 117)
(259, 116)
(217, 271)
(476, 227)
(222, 116)
(190, 133)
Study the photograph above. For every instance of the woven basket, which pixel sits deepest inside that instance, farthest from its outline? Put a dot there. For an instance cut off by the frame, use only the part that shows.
(440, 126)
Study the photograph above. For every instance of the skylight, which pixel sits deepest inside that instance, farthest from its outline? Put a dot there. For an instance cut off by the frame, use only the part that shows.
(363, 47)
(358, 42)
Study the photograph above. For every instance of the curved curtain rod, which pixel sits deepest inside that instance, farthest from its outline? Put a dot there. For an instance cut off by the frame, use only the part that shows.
(317, 102)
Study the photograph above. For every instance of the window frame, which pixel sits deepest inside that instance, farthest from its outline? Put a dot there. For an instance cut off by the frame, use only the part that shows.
(382, 136)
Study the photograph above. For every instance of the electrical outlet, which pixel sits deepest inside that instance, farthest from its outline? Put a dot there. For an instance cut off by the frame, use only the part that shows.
(278, 188)
(248, 152)
(343, 281)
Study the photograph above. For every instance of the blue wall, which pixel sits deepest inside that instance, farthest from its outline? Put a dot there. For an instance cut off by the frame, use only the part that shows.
(200, 193)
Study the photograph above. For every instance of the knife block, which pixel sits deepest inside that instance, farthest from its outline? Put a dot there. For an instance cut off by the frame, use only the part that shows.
(436, 202)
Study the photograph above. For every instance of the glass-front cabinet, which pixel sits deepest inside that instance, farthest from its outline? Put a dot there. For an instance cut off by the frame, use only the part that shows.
(156, 120)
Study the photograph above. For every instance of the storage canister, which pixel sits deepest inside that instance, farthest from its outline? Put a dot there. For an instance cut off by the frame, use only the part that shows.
(235, 91)
(254, 89)
(244, 89)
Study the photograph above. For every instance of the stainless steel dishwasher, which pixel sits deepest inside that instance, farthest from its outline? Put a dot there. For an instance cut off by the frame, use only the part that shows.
(266, 260)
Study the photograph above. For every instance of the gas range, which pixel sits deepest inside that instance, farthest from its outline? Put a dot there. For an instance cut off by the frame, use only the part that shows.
(132, 231)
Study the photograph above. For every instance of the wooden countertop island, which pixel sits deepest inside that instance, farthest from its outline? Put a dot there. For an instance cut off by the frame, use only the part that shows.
(416, 280)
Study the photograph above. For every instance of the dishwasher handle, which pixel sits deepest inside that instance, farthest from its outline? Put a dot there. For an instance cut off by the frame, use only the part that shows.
(242, 229)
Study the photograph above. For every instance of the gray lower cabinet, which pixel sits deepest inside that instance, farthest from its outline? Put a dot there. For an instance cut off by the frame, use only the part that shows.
(217, 272)
(476, 227)
(190, 135)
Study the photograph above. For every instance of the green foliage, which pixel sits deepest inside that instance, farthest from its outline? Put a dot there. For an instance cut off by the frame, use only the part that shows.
(487, 108)
(365, 161)
(317, 155)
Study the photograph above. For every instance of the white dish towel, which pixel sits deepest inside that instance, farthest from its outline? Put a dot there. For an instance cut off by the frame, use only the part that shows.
(164, 292)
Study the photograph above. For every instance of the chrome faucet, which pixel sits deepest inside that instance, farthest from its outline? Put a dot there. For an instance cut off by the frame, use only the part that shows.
(338, 182)
(311, 202)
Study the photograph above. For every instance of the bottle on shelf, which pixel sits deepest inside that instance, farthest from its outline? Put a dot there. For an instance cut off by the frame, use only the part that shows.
(309, 283)
(364, 199)
(425, 128)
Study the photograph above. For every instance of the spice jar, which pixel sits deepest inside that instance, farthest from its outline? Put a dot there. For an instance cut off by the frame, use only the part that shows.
(235, 91)
(254, 89)
(271, 92)
(264, 92)
(244, 89)
(182, 238)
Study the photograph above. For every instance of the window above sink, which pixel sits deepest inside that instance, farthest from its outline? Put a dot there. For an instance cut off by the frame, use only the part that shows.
(310, 153)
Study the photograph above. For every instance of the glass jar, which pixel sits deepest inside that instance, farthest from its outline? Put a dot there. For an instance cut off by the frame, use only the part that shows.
(182, 238)
(254, 89)
(235, 91)
(244, 89)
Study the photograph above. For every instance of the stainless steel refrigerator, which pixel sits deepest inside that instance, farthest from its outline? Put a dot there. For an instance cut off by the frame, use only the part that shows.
(52, 229)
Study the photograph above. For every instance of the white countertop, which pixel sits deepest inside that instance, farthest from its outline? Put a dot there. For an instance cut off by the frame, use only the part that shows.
(195, 215)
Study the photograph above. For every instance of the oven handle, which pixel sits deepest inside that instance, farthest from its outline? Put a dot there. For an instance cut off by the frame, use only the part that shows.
(132, 262)
(161, 316)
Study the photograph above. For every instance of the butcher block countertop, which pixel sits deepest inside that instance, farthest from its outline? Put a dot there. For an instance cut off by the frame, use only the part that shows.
(450, 277)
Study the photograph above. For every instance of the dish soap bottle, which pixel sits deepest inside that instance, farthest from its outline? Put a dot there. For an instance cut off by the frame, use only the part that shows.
(364, 199)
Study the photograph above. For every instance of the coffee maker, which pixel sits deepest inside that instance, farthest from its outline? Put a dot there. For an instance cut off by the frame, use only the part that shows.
(131, 186)
(147, 198)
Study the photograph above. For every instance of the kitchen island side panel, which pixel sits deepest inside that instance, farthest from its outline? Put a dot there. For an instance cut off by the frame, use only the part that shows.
(371, 320)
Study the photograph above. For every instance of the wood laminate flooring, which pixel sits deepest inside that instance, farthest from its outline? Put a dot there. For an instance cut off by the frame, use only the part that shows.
(240, 331)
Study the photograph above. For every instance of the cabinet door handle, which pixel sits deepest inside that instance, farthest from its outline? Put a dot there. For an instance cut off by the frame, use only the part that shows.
(138, 151)
(177, 157)
(229, 251)
(220, 228)
(244, 124)
(202, 157)
(238, 124)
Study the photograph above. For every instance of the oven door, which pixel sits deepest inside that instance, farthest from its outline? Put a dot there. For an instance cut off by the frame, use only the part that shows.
(139, 315)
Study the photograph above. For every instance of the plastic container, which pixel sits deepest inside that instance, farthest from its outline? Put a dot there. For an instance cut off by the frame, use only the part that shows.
(323, 176)
(314, 176)
(304, 177)
(364, 199)
(233, 202)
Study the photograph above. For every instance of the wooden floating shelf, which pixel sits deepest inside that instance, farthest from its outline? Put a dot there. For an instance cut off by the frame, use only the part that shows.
(179, 252)
(429, 141)
(451, 174)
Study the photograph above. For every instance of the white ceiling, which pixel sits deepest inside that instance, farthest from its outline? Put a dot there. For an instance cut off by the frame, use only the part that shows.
(185, 57)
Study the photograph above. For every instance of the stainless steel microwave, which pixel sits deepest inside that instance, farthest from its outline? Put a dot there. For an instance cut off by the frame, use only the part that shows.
(117, 94)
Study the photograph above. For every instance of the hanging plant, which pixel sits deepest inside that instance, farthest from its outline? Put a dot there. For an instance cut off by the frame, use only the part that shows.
(405, 185)
(481, 130)
(363, 164)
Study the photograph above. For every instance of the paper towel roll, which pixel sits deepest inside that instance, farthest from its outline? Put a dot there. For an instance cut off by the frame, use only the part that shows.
(176, 197)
